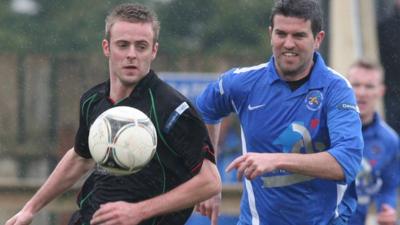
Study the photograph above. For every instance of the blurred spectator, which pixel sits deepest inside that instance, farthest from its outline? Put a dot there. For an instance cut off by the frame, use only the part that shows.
(377, 180)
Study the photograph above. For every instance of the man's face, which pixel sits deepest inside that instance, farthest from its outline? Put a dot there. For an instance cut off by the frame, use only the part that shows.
(130, 51)
(293, 46)
(368, 87)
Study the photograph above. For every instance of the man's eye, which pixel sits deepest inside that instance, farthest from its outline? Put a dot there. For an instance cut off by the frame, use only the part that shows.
(122, 45)
(299, 36)
(370, 86)
(281, 34)
(142, 47)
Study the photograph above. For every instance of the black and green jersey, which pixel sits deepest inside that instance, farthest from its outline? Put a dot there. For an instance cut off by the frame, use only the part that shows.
(182, 144)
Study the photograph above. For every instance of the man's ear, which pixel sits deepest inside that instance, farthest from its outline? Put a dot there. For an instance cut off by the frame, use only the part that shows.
(270, 34)
(106, 47)
(155, 50)
(318, 39)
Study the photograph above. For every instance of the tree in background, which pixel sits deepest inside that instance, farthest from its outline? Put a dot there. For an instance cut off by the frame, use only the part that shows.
(220, 28)
(201, 28)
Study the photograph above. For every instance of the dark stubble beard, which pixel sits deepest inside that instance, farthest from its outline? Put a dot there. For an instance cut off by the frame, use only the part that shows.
(287, 73)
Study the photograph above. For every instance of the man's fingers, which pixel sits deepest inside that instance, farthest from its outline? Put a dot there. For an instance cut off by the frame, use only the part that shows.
(250, 172)
(11, 221)
(214, 216)
(235, 163)
(208, 211)
(386, 207)
(201, 209)
(241, 170)
(101, 215)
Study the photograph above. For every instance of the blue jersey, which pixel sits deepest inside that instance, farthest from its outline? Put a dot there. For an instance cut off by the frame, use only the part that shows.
(378, 178)
(321, 115)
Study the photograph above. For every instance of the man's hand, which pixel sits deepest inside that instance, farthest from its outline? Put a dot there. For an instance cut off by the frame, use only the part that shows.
(387, 215)
(252, 165)
(210, 208)
(121, 213)
(21, 218)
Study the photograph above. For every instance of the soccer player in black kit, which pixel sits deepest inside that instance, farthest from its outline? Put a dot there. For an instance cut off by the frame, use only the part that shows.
(182, 172)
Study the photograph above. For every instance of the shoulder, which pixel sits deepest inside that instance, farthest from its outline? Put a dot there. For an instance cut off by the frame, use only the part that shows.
(172, 107)
(94, 92)
(167, 99)
(336, 79)
(338, 90)
(387, 133)
(243, 78)
(165, 93)
(246, 73)
(338, 87)
(323, 76)
(91, 96)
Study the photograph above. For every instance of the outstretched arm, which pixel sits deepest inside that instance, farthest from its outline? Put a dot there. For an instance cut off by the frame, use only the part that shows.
(202, 186)
(68, 171)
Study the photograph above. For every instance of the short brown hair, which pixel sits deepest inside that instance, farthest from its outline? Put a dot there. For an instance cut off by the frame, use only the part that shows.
(134, 13)
(368, 64)
(304, 9)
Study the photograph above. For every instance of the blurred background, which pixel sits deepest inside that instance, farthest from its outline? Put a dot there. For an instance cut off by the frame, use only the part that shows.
(50, 52)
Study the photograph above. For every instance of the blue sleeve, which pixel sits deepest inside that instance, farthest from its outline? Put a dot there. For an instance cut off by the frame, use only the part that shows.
(215, 101)
(344, 126)
(390, 177)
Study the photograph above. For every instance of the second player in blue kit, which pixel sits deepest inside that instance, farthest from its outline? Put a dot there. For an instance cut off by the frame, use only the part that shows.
(301, 129)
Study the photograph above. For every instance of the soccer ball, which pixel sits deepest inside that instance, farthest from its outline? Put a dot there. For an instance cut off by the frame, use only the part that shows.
(122, 140)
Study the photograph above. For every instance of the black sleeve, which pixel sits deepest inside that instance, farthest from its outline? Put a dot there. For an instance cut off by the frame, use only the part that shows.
(188, 136)
(81, 138)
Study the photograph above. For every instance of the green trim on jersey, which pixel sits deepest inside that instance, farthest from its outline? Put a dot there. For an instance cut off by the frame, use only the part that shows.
(90, 100)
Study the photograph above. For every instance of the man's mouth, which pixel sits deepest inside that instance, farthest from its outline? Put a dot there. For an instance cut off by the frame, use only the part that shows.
(130, 67)
(361, 103)
(289, 54)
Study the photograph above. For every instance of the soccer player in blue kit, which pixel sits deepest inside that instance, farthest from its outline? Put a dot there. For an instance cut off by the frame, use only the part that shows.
(377, 181)
(301, 128)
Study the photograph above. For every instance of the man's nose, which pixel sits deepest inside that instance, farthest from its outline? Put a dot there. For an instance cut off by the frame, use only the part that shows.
(131, 52)
(289, 43)
(360, 91)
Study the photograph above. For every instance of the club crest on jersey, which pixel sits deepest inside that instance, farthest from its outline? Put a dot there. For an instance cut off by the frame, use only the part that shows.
(314, 100)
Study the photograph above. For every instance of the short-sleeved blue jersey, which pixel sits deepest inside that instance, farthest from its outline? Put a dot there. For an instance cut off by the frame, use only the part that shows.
(321, 115)
(377, 180)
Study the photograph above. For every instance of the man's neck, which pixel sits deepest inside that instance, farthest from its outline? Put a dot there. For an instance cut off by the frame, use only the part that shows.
(119, 91)
(367, 119)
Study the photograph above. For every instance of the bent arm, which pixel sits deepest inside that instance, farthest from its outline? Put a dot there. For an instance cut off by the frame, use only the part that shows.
(201, 187)
(67, 172)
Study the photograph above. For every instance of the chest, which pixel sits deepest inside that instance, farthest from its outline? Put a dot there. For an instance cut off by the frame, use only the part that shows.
(103, 104)
(278, 118)
(376, 152)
